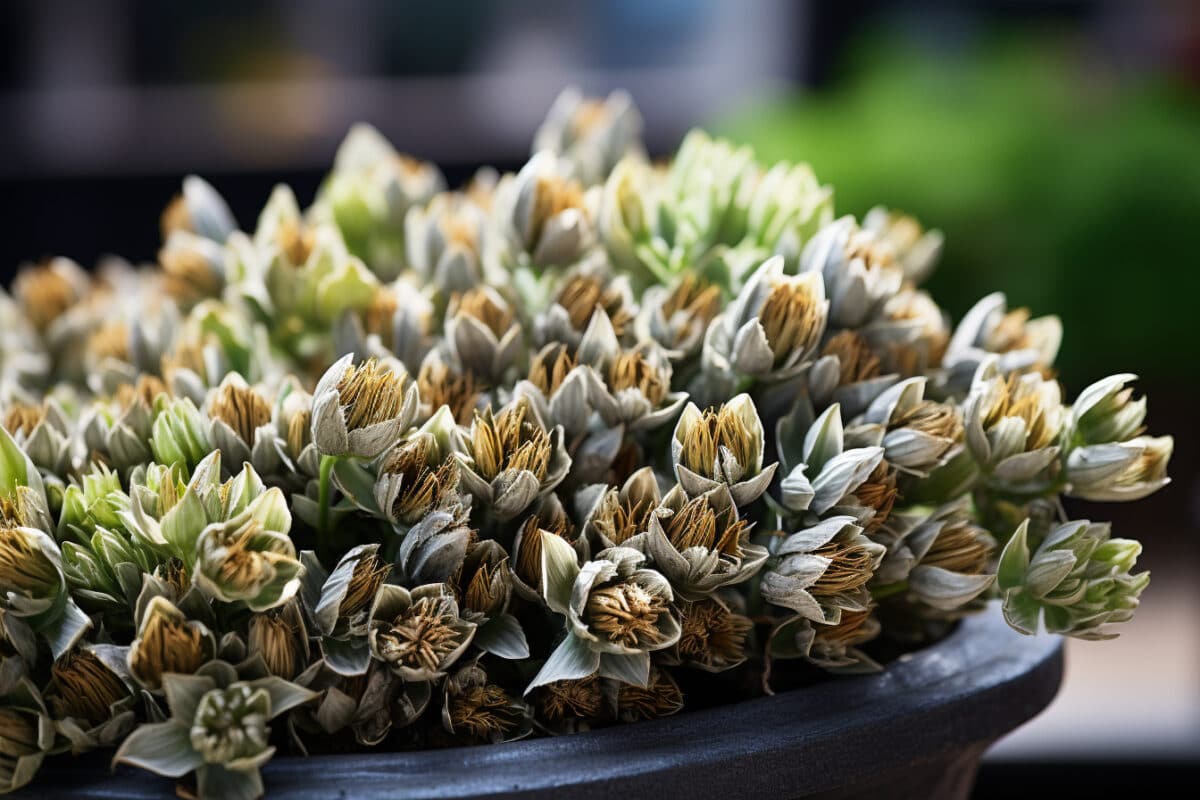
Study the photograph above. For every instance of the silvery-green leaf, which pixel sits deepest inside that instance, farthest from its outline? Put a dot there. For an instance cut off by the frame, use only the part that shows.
(1021, 611)
(843, 474)
(1096, 464)
(824, 438)
(230, 784)
(796, 492)
(164, 748)
(348, 657)
(944, 589)
(513, 492)
(504, 637)
(64, 630)
(1014, 559)
(284, 694)
(1025, 466)
(559, 570)
(631, 668)
(1047, 571)
(571, 660)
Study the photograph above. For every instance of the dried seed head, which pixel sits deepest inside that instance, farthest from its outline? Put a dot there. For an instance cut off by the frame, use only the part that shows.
(695, 297)
(173, 571)
(277, 640)
(186, 355)
(849, 632)
(630, 369)
(483, 712)
(583, 294)
(422, 637)
(44, 293)
(662, 697)
(876, 253)
(619, 520)
(380, 313)
(714, 430)
(573, 699)
(187, 274)
(24, 568)
(81, 686)
(23, 417)
(370, 394)
(441, 386)
(851, 565)
(528, 564)
(509, 441)
(110, 340)
(486, 590)
(370, 571)
(697, 525)
(791, 318)
(459, 229)
(1017, 399)
(627, 615)
(856, 361)
(552, 196)
(550, 367)
(295, 241)
(933, 418)
(145, 390)
(961, 547)
(878, 492)
(712, 635)
(18, 734)
(166, 644)
(241, 408)
(486, 307)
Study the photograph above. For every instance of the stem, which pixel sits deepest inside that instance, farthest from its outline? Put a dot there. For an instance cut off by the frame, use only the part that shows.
(889, 590)
(327, 465)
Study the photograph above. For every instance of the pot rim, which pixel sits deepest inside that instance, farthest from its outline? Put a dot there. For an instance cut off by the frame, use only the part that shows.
(961, 693)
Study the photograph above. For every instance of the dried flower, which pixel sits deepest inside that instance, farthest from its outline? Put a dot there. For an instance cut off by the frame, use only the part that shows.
(362, 410)
(722, 446)
(419, 634)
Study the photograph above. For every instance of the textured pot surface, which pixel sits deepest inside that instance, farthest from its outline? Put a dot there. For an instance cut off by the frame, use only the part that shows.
(917, 730)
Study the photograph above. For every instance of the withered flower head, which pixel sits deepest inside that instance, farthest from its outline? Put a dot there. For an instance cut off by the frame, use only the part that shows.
(716, 429)
(851, 565)
(362, 410)
(370, 394)
(510, 441)
(241, 408)
(550, 367)
(712, 637)
(528, 564)
(168, 642)
(856, 361)
(439, 386)
(581, 295)
(278, 636)
(482, 711)
(561, 701)
(484, 581)
(661, 697)
(878, 493)
(631, 370)
(422, 486)
(617, 518)
(370, 571)
(24, 568)
(45, 291)
(22, 418)
(1011, 333)
(486, 307)
(83, 687)
(792, 318)
(553, 194)
(962, 547)
(936, 419)
(627, 614)
(694, 297)
(419, 634)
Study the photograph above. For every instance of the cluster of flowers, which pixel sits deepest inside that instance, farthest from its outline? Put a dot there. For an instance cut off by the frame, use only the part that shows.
(417, 467)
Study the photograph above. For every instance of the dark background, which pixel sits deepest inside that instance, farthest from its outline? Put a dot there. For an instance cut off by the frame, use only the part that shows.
(1056, 144)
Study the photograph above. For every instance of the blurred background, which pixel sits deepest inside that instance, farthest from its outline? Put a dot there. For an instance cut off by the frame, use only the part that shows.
(1057, 145)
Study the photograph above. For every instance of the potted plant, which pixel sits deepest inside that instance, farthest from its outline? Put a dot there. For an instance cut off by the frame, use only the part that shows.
(590, 444)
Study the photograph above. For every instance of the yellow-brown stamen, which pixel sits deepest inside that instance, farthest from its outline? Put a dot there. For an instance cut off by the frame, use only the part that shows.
(583, 294)
(695, 297)
(960, 547)
(876, 254)
(1017, 400)
(618, 521)
(241, 408)
(856, 361)
(482, 712)
(24, 568)
(572, 699)
(175, 217)
(483, 306)
(296, 241)
(528, 564)
(20, 733)
(440, 386)
(878, 492)
(791, 319)
(380, 313)
(711, 634)
(631, 370)
(110, 340)
(23, 417)
(422, 486)
(44, 293)
(847, 633)
(850, 567)
(277, 640)
(81, 686)
(935, 419)
(714, 430)
(697, 525)
(369, 574)
(552, 196)
(370, 394)
(509, 442)
(661, 698)
(421, 637)
(550, 367)
(167, 644)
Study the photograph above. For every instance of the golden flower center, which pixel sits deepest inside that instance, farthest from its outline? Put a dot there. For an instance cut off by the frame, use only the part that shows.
(847, 633)
(933, 418)
(487, 589)
(697, 525)
(960, 547)
(277, 641)
(791, 319)
(529, 556)
(370, 394)
(296, 242)
(878, 492)
(482, 712)
(23, 417)
(510, 442)
(1018, 399)
(175, 217)
(716, 429)
(459, 229)
(552, 196)
(20, 734)
(1010, 333)
(241, 408)
(241, 566)
(422, 637)
(380, 312)
(145, 390)
(626, 614)
(110, 340)
(850, 567)
(166, 645)
(82, 686)
(620, 520)
(485, 307)
(583, 294)
(24, 568)
(661, 698)
(631, 370)
(440, 386)
(188, 273)
(590, 115)
(422, 486)
(44, 293)
(876, 254)
(550, 367)
(856, 361)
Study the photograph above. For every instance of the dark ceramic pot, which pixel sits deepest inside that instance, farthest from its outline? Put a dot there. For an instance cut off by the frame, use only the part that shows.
(918, 730)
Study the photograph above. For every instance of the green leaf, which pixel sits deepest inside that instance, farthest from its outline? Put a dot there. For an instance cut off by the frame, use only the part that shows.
(284, 694)
(213, 783)
(503, 636)
(559, 570)
(1015, 559)
(631, 668)
(571, 660)
(164, 748)
(184, 693)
